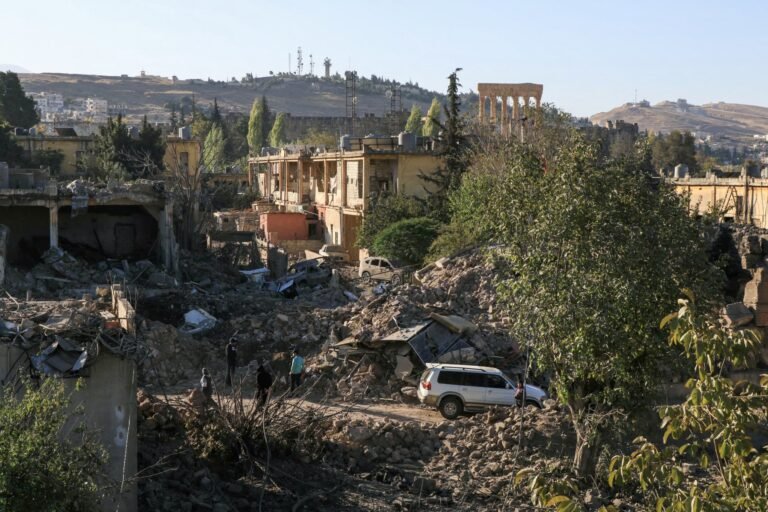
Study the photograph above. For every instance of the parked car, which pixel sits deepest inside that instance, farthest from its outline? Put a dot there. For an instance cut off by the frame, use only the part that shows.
(456, 388)
(308, 272)
(383, 269)
(334, 252)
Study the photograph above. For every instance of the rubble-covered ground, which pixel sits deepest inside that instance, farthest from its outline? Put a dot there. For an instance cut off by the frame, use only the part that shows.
(326, 456)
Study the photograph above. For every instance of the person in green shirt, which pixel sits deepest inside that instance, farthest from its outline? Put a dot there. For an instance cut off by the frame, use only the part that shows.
(297, 369)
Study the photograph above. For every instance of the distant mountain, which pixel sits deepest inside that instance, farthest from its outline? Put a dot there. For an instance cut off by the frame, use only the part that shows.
(14, 68)
(299, 96)
(724, 122)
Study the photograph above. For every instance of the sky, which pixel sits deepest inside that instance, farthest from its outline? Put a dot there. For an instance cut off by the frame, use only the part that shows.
(591, 55)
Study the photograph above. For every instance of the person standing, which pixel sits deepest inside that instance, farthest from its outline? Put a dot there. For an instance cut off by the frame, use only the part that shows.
(263, 383)
(297, 369)
(206, 385)
(231, 360)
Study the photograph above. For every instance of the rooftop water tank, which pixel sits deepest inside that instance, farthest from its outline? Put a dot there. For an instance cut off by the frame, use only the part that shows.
(406, 141)
(346, 142)
(681, 171)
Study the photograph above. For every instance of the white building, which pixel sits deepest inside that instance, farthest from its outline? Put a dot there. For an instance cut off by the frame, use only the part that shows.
(96, 106)
(48, 104)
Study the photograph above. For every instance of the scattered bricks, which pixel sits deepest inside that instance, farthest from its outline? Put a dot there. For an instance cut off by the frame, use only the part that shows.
(737, 314)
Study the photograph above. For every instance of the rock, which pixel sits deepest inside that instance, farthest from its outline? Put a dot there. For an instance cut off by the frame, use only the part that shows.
(409, 391)
(737, 314)
(423, 486)
(359, 434)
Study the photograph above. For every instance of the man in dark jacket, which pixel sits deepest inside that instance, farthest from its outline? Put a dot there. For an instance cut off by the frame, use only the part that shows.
(263, 383)
(231, 359)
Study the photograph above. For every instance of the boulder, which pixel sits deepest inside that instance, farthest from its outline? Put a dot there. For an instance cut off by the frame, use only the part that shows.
(737, 314)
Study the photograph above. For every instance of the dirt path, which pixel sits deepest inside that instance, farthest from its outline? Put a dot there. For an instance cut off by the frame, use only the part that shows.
(381, 410)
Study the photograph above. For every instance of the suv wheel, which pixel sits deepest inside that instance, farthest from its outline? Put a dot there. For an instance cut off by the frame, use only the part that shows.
(396, 280)
(451, 407)
(366, 277)
(533, 403)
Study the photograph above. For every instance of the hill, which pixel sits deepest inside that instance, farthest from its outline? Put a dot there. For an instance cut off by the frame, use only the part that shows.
(724, 122)
(299, 96)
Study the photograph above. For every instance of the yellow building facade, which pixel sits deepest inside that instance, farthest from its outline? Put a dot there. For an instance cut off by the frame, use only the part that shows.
(79, 152)
(336, 186)
(743, 199)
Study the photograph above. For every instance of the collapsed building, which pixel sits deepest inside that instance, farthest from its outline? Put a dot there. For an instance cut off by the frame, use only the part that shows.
(122, 221)
(93, 339)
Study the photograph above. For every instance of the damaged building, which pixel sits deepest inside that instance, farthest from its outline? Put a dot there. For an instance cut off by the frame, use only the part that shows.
(129, 221)
(333, 187)
(93, 340)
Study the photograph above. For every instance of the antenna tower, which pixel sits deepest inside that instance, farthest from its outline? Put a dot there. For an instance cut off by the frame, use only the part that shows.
(350, 83)
(299, 62)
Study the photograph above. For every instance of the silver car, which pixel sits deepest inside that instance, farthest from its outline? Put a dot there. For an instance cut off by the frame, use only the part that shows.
(456, 388)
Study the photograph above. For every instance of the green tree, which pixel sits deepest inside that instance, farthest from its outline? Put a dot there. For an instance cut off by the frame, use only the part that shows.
(675, 148)
(277, 134)
(431, 126)
(413, 124)
(713, 432)
(10, 151)
(216, 113)
(258, 125)
(584, 291)
(121, 156)
(454, 154)
(16, 108)
(407, 240)
(38, 470)
(213, 149)
(317, 137)
(48, 158)
(384, 211)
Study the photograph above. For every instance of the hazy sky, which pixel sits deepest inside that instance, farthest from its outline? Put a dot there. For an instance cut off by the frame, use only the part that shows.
(590, 55)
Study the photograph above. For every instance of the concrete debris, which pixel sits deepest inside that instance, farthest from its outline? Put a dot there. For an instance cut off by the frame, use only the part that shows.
(737, 314)
(197, 321)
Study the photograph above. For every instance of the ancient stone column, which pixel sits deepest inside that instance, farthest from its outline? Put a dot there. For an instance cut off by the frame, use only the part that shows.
(504, 115)
(493, 108)
(481, 103)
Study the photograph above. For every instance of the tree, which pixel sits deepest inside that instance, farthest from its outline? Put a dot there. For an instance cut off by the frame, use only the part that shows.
(384, 211)
(16, 108)
(713, 432)
(277, 135)
(577, 277)
(413, 125)
(121, 156)
(431, 126)
(675, 148)
(213, 149)
(258, 125)
(407, 240)
(38, 470)
(48, 158)
(454, 153)
(10, 151)
(215, 113)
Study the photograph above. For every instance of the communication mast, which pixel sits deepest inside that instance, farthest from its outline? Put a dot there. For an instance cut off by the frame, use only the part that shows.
(299, 62)
(350, 83)
(311, 65)
(327, 64)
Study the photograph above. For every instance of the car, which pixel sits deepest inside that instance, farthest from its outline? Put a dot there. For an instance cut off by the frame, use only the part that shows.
(334, 252)
(456, 388)
(377, 268)
(308, 272)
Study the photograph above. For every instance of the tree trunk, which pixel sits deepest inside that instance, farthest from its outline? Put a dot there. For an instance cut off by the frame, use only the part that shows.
(585, 458)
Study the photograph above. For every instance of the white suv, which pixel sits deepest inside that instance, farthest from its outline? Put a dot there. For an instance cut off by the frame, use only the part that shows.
(455, 388)
(383, 269)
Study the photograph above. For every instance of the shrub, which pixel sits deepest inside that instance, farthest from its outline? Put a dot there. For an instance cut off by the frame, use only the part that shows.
(407, 240)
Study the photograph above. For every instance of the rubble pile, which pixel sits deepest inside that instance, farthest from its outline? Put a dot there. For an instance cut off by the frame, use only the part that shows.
(472, 457)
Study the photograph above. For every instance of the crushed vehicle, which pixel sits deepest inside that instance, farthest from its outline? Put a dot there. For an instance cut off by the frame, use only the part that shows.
(377, 268)
(334, 253)
(455, 388)
(308, 272)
